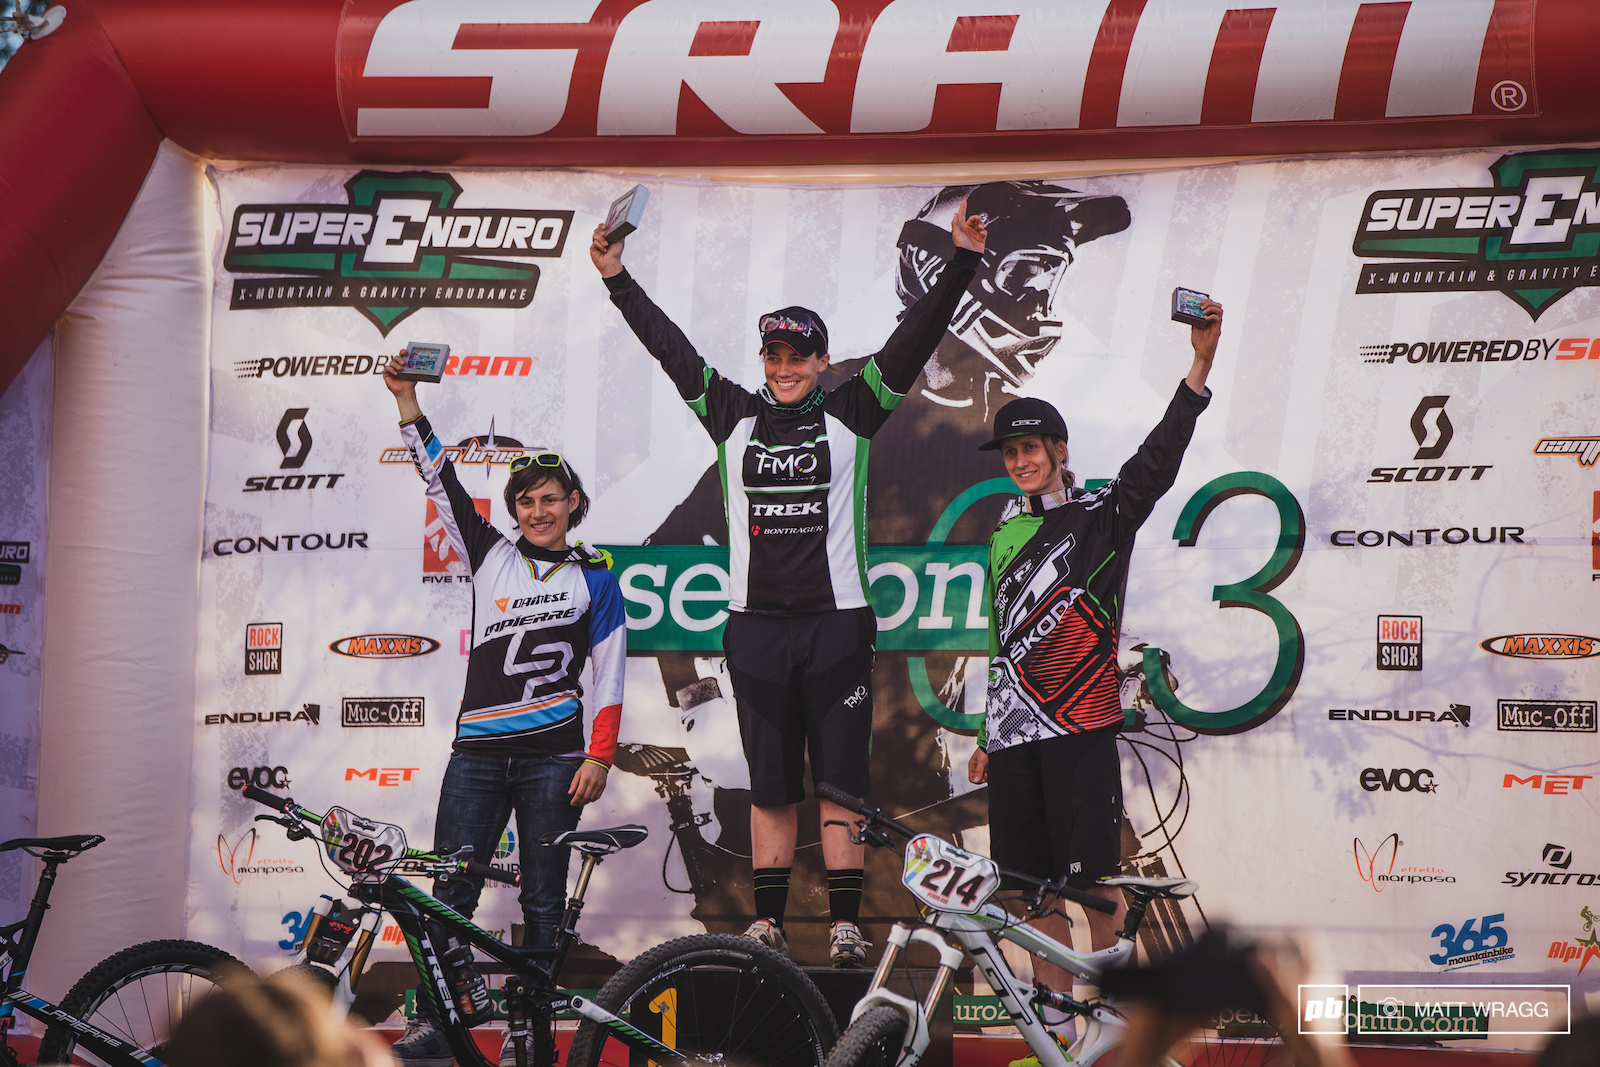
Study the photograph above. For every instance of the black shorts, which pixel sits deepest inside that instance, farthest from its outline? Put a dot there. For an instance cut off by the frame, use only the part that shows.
(1055, 807)
(798, 683)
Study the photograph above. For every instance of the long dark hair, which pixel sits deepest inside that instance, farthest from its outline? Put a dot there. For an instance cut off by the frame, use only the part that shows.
(533, 475)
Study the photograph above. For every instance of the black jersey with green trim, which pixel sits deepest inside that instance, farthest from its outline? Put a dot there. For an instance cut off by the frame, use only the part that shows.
(1057, 567)
(794, 476)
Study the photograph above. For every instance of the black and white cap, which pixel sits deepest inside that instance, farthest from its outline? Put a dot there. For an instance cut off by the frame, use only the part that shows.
(1028, 415)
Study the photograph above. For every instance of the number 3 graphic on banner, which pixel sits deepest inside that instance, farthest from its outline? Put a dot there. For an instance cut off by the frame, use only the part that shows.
(1250, 593)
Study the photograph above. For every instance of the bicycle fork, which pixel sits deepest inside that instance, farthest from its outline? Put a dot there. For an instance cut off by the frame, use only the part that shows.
(916, 1040)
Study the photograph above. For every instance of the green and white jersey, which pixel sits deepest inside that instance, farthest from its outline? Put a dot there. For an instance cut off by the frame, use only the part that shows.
(794, 477)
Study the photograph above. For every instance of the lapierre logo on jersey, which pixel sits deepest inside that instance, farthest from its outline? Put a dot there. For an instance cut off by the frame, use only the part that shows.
(1533, 235)
(399, 243)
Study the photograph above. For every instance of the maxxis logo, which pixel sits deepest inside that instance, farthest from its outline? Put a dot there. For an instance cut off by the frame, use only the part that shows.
(1542, 646)
(1533, 235)
(397, 244)
(384, 646)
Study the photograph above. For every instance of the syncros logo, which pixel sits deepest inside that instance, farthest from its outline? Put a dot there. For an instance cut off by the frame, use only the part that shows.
(397, 245)
(1534, 235)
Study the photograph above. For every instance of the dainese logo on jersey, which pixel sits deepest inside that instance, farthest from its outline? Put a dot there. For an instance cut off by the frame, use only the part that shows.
(399, 243)
(1533, 235)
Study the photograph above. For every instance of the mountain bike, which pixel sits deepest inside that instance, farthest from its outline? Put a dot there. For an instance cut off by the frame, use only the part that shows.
(707, 998)
(124, 1009)
(955, 887)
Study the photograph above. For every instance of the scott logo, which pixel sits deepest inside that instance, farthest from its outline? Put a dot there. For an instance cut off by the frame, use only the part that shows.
(396, 245)
(292, 460)
(1420, 431)
(1543, 646)
(384, 646)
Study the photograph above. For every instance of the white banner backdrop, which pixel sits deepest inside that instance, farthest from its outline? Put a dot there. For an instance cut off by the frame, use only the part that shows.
(1385, 729)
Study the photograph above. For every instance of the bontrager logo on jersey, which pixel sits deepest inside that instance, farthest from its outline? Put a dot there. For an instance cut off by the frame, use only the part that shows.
(397, 244)
(1533, 235)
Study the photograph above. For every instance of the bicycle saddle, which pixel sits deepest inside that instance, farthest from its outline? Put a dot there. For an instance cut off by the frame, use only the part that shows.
(1159, 887)
(600, 842)
(73, 843)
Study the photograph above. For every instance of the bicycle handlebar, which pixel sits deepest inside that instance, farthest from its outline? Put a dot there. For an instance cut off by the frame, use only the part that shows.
(494, 874)
(875, 817)
(261, 796)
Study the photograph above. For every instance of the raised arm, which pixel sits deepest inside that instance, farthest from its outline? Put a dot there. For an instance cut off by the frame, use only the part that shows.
(922, 327)
(718, 402)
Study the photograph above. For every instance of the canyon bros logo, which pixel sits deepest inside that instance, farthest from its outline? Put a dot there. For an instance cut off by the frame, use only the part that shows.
(399, 243)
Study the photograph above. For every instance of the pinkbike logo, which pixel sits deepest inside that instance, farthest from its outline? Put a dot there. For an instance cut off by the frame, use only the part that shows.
(1377, 866)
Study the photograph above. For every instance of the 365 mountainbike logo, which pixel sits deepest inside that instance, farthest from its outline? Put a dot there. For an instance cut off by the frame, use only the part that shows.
(1534, 235)
(397, 245)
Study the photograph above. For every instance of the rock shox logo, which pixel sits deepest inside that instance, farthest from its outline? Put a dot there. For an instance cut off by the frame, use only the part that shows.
(263, 648)
(1543, 646)
(1534, 235)
(381, 711)
(1553, 784)
(1399, 642)
(1476, 942)
(396, 245)
(1549, 716)
(15, 553)
(1559, 859)
(294, 441)
(384, 646)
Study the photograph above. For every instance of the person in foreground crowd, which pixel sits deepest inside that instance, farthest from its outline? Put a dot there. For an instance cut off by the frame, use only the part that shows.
(801, 633)
(540, 610)
(1058, 566)
(281, 1022)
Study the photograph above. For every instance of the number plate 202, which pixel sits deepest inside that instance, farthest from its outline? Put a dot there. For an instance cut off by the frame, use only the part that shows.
(359, 845)
(948, 878)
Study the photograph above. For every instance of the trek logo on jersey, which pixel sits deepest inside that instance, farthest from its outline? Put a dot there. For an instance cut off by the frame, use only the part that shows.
(1542, 646)
(1533, 235)
(384, 646)
(397, 244)
(813, 507)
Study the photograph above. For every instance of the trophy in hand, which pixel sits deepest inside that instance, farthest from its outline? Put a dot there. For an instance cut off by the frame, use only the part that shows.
(423, 362)
(626, 212)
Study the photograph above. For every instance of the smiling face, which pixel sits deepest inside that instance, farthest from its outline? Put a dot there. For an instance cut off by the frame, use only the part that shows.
(791, 376)
(544, 513)
(1035, 463)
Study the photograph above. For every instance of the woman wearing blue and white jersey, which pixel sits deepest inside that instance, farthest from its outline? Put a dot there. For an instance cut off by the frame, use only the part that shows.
(541, 609)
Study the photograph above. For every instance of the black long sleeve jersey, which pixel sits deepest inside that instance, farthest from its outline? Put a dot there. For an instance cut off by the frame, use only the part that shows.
(794, 477)
(1057, 566)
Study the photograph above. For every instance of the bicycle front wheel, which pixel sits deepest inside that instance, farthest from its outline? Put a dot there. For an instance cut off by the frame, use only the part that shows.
(873, 1040)
(140, 995)
(1250, 1042)
(713, 997)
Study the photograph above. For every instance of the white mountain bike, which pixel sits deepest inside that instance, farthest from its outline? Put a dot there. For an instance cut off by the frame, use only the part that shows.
(955, 886)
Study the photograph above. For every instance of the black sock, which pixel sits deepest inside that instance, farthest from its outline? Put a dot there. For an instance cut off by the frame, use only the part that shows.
(772, 892)
(844, 894)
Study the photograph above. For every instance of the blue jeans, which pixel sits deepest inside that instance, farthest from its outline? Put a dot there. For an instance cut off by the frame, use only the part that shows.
(475, 804)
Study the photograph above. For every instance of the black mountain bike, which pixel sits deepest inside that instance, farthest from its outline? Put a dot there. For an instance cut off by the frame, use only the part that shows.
(121, 1012)
(708, 998)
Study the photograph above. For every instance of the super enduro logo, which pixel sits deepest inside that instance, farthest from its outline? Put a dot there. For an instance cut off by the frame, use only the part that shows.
(1533, 235)
(397, 245)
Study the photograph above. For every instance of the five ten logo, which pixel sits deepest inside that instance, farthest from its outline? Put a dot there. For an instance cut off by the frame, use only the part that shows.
(1534, 235)
(1431, 427)
(295, 446)
(399, 243)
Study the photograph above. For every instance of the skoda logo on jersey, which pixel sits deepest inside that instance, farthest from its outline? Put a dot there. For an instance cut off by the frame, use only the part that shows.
(1534, 234)
(397, 244)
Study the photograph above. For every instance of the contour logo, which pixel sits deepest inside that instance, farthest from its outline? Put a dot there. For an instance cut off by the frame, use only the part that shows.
(1543, 646)
(384, 646)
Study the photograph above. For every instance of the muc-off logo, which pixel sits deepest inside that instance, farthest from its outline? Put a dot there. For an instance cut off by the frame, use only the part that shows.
(1534, 235)
(397, 245)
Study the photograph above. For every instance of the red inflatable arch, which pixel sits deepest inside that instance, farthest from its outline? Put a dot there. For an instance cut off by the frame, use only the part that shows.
(670, 82)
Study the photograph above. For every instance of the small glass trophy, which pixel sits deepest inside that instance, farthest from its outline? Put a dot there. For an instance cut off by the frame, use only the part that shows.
(626, 212)
(1186, 307)
(423, 362)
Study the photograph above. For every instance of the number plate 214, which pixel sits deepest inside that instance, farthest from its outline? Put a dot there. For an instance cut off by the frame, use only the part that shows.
(948, 878)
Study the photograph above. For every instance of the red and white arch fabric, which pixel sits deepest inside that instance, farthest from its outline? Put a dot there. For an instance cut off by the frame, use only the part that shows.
(771, 82)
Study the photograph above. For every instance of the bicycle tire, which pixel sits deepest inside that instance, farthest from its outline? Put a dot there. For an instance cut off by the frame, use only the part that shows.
(158, 980)
(748, 1006)
(873, 1040)
(1255, 1045)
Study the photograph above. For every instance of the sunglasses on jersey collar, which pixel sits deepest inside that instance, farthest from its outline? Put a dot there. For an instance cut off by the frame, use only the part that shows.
(538, 459)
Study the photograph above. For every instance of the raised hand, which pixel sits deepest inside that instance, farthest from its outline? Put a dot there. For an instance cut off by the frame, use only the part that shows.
(968, 231)
(404, 390)
(607, 255)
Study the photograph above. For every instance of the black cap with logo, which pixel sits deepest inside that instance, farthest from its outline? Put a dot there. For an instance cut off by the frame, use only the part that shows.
(800, 328)
(1028, 415)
